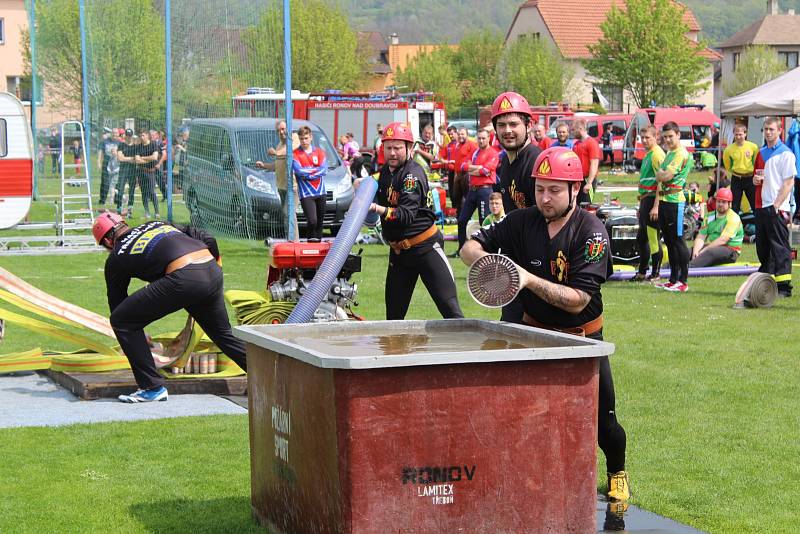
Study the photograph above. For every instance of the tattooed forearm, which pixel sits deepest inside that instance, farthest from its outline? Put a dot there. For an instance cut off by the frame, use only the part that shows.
(567, 298)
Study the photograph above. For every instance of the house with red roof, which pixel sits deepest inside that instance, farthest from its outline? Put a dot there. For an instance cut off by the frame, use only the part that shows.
(572, 25)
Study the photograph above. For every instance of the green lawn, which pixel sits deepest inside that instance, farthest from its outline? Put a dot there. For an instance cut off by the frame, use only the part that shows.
(707, 394)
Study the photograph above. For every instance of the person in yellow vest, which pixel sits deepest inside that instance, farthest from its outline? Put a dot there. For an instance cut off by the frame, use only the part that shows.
(720, 238)
(739, 160)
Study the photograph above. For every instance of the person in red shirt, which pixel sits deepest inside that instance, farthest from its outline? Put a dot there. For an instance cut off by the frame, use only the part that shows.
(588, 150)
(466, 148)
(482, 172)
(448, 158)
(540, 137)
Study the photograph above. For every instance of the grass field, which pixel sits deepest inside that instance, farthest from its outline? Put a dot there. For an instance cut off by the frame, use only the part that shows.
(707, 394)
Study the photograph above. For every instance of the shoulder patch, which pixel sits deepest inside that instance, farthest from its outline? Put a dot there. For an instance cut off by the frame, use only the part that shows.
(595, 248)
(409, 182)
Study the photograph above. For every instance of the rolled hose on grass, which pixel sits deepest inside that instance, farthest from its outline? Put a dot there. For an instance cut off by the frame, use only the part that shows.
(334, 260)
(759, 291)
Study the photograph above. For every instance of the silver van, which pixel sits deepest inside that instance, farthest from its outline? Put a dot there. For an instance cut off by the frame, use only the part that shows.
(224, 189)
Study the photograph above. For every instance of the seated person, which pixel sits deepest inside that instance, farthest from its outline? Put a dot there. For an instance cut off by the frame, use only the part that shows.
(720, 239)
(496, 211)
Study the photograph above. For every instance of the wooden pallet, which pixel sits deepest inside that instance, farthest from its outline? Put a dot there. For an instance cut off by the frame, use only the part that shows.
(110, 384)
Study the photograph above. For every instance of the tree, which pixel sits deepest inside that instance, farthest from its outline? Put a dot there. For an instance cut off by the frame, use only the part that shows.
(325, 50)
(758, 64)
(535, 70)
(644, 50)
(125, 41)
(433, 71)
(476, 61)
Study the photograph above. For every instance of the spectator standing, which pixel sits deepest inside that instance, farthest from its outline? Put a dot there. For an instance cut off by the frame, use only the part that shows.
(774, 179)
(482, 171)
(671, 176)
(425, 149)
(109, 166)
(448, 158)
(648, 207)
(146, 159)
(379, 159)
(54, 146)
(466, 147)
(278, 152)
(540, 137)
(739, 160)
(180, 159)
(310, 168)
(562, 135)
(588, 150)
(720, 238)
(126, 154)
(607, 140)
(76, 151)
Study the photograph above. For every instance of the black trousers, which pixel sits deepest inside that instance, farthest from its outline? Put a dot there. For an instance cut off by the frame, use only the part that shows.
(459, 191)
(129, 178)
(642, 241)
(314, 210)
(610, 435)
(670, 220)
(475, 198)
(196, 288)
(739, 185)
(147, 185)
(714, 256)
(426, 261)
(772, 246)
(105, 183)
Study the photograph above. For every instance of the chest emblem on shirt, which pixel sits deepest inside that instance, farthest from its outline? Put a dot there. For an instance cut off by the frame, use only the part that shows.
(315, 160)
(392, 196)
(409, 183)
(560, 267)
(595, 248)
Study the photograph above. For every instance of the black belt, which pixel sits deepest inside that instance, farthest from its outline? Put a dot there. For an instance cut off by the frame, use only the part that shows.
(742, 175)
(476, 187)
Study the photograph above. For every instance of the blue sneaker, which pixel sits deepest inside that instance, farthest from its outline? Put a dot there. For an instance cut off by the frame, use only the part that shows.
(146, 395)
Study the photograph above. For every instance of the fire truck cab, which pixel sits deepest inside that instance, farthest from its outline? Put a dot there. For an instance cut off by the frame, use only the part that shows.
(340, 113)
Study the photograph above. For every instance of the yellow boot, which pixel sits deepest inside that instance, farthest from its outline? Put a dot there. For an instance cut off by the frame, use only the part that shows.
(618, 486)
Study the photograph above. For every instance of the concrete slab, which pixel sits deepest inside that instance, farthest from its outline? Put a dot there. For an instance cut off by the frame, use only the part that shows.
(34, 400)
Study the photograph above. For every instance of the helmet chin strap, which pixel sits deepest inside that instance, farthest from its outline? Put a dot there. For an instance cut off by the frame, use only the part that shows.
(566, 210)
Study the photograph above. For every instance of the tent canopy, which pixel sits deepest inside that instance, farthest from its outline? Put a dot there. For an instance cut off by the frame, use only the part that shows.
(780, 96)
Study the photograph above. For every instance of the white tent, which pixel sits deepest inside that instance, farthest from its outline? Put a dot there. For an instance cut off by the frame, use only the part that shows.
(780, 96)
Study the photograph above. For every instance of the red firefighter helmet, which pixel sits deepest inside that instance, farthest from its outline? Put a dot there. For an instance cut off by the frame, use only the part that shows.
(397, 131)
(724, 194)
(558, 163)
(510, 102)
(104, 223)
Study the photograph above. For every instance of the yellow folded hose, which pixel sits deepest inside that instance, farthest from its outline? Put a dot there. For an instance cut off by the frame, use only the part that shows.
(252, 307)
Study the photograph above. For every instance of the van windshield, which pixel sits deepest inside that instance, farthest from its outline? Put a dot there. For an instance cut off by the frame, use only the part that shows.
(254, 144)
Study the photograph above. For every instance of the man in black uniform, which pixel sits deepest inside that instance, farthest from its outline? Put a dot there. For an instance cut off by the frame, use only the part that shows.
(511, 116)
(179, 265)
(563, 255)
(126, 155)
(405, 205)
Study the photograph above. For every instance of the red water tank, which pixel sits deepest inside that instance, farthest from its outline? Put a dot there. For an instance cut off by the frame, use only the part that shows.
(299, 255)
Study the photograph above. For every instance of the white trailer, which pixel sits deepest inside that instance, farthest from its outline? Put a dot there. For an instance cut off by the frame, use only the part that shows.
(16, 161)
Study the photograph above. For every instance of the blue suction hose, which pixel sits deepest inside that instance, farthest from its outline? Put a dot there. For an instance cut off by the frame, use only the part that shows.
(332, 264)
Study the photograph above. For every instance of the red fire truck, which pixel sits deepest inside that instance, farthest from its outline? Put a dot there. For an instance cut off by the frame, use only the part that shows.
(339, 113)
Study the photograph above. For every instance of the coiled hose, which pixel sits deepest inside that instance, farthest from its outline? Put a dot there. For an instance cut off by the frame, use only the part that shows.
(332, 264)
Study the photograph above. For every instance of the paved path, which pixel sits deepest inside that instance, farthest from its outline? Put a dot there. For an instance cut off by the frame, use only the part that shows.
(33, 400)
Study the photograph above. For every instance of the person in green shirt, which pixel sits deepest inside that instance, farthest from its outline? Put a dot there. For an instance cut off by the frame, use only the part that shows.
(671, 177)
(720, 239)
(496, 211)
(648, 207)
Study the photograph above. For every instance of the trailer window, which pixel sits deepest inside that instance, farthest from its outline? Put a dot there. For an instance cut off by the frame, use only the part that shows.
(3, 139)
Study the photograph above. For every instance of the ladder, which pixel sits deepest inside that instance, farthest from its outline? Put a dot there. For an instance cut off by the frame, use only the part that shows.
(76, 190)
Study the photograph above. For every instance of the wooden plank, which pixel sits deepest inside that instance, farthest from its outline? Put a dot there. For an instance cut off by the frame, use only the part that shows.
(110, 384)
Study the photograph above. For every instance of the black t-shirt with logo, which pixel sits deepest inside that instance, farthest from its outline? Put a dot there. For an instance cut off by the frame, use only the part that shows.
(578, 257)
(406, 194)
(514, 179)
(145, 251)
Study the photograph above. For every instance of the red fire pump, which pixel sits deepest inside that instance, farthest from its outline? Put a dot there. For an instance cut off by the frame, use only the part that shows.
(294, 265)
